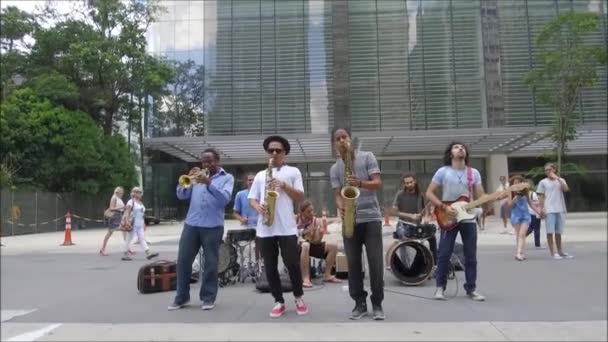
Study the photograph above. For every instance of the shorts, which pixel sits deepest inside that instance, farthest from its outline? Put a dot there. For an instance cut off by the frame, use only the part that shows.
(520, 218)
(316, 250)
(554, 223)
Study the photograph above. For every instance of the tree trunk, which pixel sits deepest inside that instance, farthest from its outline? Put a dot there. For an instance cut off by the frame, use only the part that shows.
(107, 124)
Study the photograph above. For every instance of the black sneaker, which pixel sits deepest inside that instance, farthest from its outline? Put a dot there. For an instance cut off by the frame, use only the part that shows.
(151, 255)
(378, 313)
(359, 311)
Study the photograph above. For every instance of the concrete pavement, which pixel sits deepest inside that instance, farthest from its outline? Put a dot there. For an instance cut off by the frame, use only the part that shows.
(52, 292)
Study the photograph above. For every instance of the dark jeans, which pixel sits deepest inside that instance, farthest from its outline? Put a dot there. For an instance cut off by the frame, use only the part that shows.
(534, 227)
(468, 233)
(269, 247)
(370, 235)
(190, 242)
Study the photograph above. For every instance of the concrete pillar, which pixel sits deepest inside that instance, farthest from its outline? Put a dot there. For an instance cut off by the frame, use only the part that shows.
(496, 166)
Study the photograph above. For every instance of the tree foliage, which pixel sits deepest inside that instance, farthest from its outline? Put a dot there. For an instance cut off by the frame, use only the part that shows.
(60, 150)
(103, 52)
(69, 83)
(568, 62)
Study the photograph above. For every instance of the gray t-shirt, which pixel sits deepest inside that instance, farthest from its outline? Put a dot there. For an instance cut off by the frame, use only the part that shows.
(365, 164)
(411, 203)
(554, 196)
(454, 182)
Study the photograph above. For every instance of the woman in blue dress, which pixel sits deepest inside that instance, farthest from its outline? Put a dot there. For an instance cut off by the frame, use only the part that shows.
(520, 216)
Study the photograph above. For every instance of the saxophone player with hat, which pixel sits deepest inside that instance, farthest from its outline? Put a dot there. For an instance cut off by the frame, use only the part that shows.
(273, 195)
(356, 177)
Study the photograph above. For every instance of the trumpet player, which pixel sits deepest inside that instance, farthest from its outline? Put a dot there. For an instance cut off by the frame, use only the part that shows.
(209, 193)
(276, 227)
(362, 171)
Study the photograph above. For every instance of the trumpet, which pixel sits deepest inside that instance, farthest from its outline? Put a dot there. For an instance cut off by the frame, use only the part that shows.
(185, 181)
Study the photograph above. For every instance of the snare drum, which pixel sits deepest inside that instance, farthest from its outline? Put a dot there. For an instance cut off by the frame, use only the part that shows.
(409, 230)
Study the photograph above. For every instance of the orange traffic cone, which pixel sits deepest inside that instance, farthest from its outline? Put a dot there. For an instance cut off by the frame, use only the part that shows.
(324, 220)
(67, 240)
(387, 222)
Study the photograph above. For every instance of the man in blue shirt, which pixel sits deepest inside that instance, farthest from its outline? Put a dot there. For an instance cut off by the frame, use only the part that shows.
(242, 210)
(204, 226)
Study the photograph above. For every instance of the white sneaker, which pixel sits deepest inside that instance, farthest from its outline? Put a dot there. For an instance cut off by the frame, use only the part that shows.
(207, 306)
(557, 256)
(439, 294)
(567, 256)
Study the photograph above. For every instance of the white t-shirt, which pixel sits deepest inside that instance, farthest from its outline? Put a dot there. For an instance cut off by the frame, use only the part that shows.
(138, 213)
(284, 220)
(534, 200)
(554, 196)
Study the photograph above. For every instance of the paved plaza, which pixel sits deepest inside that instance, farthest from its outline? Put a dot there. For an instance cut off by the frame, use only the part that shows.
(52, 292)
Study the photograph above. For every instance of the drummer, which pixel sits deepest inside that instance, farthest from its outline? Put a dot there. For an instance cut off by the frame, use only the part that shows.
(311, 244)
(242, 211)
(408, 206)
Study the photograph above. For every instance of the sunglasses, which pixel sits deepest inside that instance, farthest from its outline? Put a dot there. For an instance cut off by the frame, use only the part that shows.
(274, 150)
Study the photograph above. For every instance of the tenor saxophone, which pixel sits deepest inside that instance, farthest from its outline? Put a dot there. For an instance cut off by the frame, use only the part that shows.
(349, 193)
(270, 197)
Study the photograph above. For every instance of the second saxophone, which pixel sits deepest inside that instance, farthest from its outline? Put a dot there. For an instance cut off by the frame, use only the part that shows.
(349, 193)
(270, 197)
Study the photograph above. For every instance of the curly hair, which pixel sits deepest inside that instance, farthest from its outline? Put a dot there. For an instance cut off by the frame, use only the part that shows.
(519, 179)
(411, 175)
(447, 154)
(305, 205)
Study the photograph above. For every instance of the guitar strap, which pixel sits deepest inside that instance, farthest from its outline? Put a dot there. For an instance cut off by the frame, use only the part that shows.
(470, 182)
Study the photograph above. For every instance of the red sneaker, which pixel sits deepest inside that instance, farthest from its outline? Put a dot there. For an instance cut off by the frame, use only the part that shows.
(278, 310)
(301, 308)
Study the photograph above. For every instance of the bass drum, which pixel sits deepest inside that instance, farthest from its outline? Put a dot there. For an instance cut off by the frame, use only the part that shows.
(226, 259)
(410, 261)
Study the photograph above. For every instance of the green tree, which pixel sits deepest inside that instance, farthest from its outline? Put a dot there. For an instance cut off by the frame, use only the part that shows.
(15, 25)
(60, 150)
(103, 53)
(567, 63)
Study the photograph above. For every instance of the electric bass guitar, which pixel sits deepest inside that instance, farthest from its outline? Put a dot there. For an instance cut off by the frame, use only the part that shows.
(463, 207)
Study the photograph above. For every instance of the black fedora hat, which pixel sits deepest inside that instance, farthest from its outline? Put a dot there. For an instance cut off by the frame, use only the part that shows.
(278, 138)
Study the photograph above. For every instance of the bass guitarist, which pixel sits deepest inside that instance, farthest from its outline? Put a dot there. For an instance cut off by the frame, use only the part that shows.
(456, 178)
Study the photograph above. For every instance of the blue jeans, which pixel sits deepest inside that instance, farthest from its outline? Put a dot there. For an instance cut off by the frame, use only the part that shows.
(190, 242)
(468, 233)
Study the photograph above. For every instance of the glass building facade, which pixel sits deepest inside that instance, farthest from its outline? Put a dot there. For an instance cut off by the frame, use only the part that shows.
(303, 66)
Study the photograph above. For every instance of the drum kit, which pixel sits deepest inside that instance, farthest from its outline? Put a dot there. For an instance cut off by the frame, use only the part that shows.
(235, 261)
(409, 259)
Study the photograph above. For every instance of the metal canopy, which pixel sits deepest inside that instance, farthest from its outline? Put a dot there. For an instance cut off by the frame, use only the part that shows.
(316, 147)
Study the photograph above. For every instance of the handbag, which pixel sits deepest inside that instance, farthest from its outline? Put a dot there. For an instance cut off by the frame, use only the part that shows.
(108, 213)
